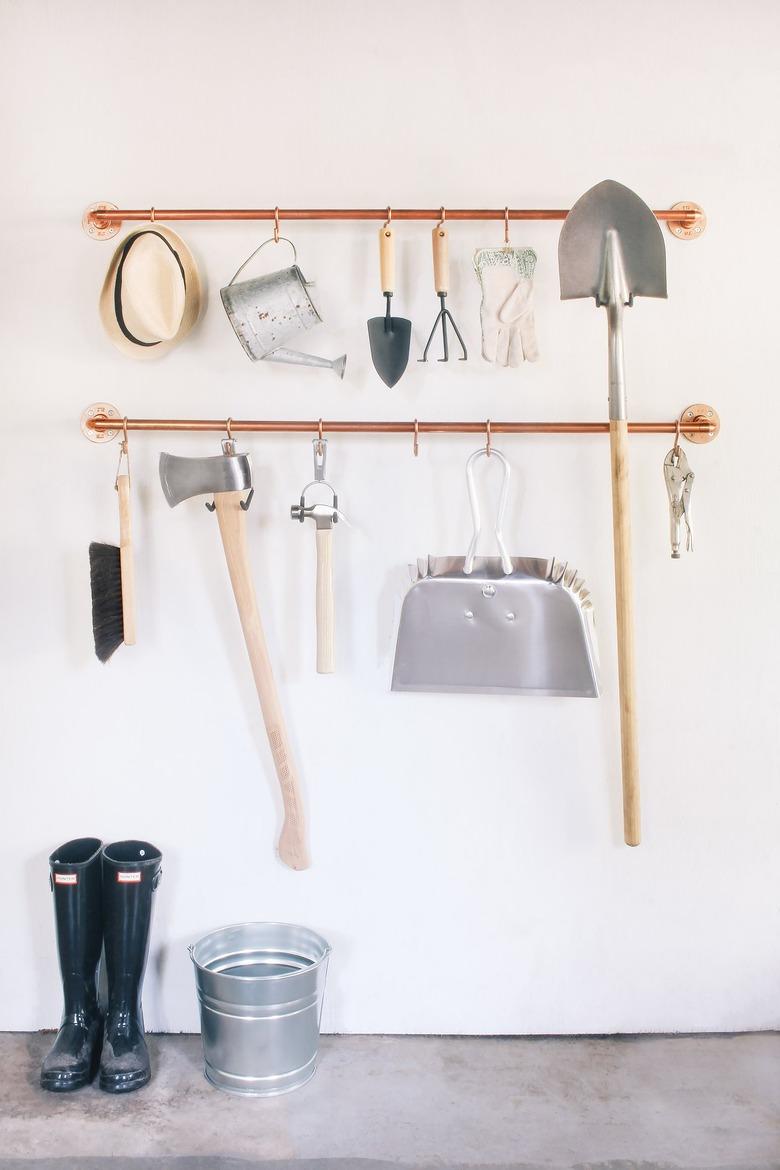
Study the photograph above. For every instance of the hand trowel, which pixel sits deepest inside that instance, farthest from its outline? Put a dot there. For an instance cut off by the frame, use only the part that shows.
(389, 336)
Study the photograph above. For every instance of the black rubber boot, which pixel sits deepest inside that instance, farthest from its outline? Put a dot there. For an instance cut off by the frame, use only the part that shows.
(76, 881)
(131, 871)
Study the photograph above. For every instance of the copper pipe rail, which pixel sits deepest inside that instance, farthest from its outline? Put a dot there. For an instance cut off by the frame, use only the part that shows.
(699, 425)
(106, 218)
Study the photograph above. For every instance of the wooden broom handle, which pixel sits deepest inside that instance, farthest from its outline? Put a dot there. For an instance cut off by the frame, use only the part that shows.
(126, 561)
(325, 620)
(624, 599)
(232, 528)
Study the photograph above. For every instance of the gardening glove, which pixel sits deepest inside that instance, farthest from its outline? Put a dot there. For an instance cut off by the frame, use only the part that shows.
(507, 310)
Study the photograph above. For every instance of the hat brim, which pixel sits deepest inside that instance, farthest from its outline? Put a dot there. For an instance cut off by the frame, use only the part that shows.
(192, 298)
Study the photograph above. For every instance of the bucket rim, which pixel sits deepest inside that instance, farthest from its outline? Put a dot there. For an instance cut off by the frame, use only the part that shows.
(326, 947)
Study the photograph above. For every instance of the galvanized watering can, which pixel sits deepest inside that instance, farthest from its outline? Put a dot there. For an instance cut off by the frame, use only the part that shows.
(269, 311)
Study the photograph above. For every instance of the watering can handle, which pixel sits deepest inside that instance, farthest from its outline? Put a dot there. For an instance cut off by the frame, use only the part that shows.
(506, 560)
(271, 240)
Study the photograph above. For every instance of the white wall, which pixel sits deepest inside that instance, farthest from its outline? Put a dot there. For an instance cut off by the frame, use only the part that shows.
(468, 858)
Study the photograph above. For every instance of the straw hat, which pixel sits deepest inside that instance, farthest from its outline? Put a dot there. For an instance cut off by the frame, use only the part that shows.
(151, 296)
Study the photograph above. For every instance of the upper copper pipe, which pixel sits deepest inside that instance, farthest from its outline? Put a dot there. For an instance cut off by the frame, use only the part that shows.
(337, 426)
(104, 218)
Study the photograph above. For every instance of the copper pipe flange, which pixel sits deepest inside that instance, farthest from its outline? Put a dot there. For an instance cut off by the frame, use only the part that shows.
(97, 228)
(687, 227)
(700, 413)
(104, 411)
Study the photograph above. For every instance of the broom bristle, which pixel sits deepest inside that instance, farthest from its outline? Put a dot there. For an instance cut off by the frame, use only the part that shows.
(105, 578)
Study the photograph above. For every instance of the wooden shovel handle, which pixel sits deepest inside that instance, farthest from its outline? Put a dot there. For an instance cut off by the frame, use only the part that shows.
(126, 560)
(387, 258)
(441, 258)
(232, 528)
(325, 619)
(624, 599)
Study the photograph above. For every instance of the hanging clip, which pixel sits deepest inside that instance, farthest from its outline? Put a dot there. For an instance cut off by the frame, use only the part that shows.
(679, 484)
(320, 449)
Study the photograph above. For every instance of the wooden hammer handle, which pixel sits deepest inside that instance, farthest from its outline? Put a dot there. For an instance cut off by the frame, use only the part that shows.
(232, 527)
(326, 657)
(624, 599)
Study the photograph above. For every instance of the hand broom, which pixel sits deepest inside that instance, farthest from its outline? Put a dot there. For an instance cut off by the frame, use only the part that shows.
(111, 576)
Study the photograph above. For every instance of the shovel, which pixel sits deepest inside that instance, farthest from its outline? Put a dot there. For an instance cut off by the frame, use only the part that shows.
(388, 336)
(611, 248)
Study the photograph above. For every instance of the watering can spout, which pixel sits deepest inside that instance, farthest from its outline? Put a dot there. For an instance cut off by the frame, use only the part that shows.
(295, 358)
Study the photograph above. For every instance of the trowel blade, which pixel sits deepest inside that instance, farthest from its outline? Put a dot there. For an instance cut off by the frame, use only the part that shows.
(389, 347)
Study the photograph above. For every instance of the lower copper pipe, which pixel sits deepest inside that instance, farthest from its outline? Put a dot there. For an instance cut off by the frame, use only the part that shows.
(341, 426)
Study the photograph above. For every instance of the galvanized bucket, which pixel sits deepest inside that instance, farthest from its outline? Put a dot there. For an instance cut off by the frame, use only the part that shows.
(270, 311)
(260, 986)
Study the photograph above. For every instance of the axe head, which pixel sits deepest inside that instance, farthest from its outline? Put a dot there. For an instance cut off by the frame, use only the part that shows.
(182, 477)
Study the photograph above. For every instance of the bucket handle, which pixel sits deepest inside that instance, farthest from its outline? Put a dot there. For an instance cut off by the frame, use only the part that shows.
(506, 560)
(270, 240)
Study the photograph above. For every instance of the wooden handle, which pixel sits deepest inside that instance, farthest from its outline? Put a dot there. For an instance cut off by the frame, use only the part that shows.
(326, 658)
(232, 528)
(126, 569)
(624, 599)
(387, 258)
(441, 258)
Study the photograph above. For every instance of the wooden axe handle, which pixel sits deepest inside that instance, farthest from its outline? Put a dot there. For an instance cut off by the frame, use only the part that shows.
(232, 528)
(624, 600)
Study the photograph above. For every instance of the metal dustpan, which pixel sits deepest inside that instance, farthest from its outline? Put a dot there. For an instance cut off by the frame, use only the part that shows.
(496, 625)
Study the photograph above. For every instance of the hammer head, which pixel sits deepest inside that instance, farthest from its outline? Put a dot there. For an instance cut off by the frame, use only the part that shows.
(182, 477)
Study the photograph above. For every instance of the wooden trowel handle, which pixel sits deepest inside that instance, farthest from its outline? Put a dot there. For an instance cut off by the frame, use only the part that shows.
(387, 258)
(232, 528)
(325, 619)
(624, 598)
(441, 258)
(126, 569)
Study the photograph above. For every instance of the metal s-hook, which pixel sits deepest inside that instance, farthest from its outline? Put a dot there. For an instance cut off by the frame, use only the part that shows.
(276, 225)
(416, 440)
(488, 444)
(319, 438)
(506, 227)
(389, 219)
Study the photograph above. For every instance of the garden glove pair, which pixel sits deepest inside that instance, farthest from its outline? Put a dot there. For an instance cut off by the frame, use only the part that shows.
(507, 310)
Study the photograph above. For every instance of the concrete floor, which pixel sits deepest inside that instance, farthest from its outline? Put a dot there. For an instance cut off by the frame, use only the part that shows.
(645, 1103)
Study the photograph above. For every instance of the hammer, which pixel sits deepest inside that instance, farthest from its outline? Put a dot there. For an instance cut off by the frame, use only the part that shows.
(228, 475)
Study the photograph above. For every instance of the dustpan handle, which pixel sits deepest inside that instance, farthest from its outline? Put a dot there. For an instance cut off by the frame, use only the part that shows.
(506, 560)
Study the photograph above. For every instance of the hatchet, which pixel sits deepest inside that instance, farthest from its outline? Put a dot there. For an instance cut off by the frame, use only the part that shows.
(228, 475)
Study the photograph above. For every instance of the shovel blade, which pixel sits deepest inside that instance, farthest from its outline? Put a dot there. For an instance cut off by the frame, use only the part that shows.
(611, 212)
(389, 346)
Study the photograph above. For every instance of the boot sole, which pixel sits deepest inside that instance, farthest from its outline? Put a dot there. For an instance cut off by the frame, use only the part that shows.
(57, 1085)
(109, 1085)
